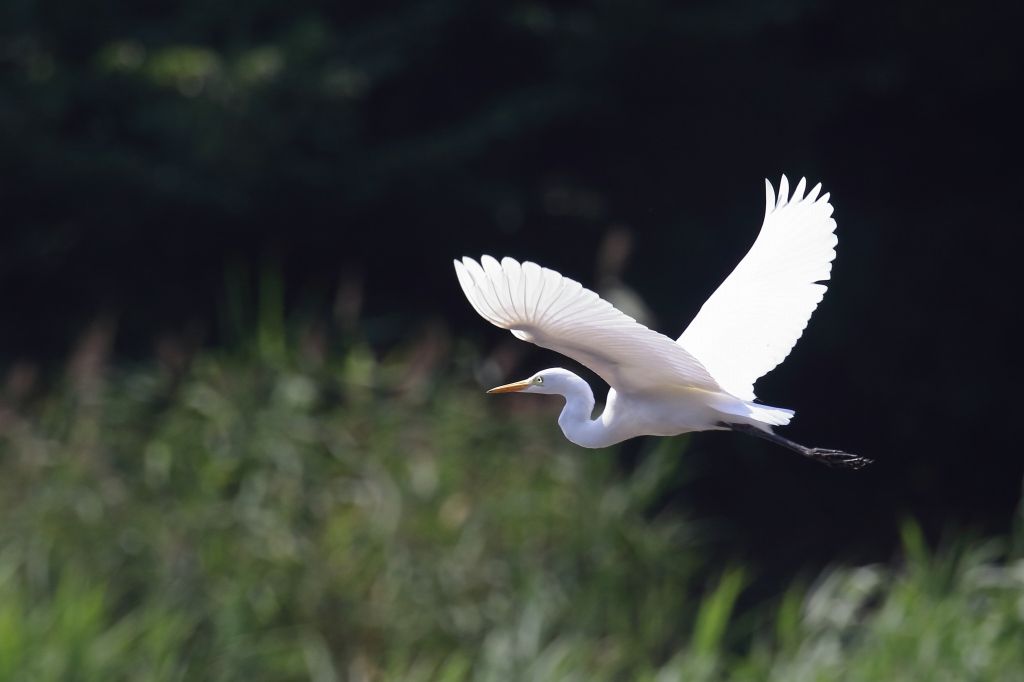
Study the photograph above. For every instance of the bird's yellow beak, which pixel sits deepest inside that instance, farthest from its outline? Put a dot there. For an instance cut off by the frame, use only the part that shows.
(511, 388)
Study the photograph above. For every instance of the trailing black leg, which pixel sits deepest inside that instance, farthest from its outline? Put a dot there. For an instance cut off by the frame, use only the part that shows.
(832, 458)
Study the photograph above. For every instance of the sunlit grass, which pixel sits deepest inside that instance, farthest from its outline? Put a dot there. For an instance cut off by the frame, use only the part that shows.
(260, 517)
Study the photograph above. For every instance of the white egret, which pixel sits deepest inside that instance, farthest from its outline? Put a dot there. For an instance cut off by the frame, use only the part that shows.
(660, 387)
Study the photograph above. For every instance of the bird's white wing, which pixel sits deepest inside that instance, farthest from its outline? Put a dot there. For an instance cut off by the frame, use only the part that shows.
(753, 320)
(555, 312)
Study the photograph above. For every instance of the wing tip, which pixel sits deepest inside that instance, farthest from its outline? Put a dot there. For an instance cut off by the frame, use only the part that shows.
(801, 187)
(769, 196)
(468, 262)
(799, 195)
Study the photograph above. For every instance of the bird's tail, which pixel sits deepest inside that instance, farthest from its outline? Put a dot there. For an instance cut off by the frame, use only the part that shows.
(773, 416)
(761, 416)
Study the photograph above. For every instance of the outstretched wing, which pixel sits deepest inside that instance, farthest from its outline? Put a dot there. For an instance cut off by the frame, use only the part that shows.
(543, 307)
(753, 320)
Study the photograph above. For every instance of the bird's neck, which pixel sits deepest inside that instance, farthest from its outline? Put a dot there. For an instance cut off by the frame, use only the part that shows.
(576, 421)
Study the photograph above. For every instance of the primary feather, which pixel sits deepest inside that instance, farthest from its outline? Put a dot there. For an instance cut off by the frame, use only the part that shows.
(753, 320)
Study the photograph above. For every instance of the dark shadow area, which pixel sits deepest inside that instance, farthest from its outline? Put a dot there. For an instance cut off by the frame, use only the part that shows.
(158, 161)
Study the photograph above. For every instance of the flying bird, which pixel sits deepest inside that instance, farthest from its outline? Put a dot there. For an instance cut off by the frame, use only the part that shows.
(702, 381)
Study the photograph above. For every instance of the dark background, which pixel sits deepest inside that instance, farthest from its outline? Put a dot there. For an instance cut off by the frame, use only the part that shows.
(156, 159)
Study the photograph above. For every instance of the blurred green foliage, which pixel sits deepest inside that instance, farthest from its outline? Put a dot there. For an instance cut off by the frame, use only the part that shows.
(265, 515)
(261, 514)
(151, 151)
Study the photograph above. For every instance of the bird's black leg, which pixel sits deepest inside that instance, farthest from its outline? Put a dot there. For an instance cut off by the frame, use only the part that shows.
(833, 458)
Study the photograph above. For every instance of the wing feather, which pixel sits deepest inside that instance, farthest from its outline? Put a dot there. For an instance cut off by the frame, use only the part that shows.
(753, 320)
(539, 305)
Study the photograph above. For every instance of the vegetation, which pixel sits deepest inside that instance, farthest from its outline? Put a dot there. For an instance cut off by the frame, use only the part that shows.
(263, 516)
(267, 513)
(156, 159)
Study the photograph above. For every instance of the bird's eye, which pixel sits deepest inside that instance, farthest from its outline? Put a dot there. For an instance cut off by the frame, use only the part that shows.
(538, 380)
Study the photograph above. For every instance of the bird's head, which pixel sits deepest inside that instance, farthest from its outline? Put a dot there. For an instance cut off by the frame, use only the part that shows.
(555, 381)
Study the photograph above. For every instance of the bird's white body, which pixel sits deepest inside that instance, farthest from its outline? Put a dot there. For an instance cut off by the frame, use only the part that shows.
(629, 416)
(660, 387)
(669, 412)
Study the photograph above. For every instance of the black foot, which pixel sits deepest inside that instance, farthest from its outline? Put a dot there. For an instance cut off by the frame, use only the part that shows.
(837, 458)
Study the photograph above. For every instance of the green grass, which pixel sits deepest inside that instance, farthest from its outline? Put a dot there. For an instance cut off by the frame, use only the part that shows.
(260, 518)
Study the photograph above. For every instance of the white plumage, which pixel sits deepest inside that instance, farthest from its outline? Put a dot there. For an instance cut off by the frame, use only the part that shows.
(703, 381)
(541, 306)
(753, 320)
